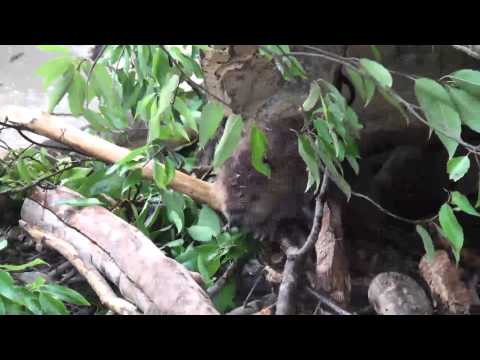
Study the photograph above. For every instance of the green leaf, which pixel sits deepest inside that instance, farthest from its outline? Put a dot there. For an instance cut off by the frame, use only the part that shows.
(468, 106)
(333, 172)
(209, 218)
(96, 120)
(369, 90)
(60, 89)
(307, 152)
(12, 308)
(174, 203)
(3, 244)
(440, 112)
(179, 130)
(229, 141)
(258, 148)
(173, 244)
(37, 284)
(468, 80)
(313, 97)
(143, 59)
(364, 86)
(54, 48)
(8, 288)
(452, 230)
(65, 294)
(51, 306)
(357, 81)
(458, 167)
(30, 301)
(22, 267)
(53, 69)
(159, 174)
(202, 268)
(202, 47)
(160, 65)
(463, 204)
(224, 300)
(135, 154)
(167, 93)
(143, 106)
(378, 72)
(187, 114)
(201, 233)
(427, 242)
(131, 100)
(354, 164)
(212, 116)
(3, 310)
(76, 94)
(154, 124)
(376, 53)
(80, 202)
(23, 171)
(102, 82)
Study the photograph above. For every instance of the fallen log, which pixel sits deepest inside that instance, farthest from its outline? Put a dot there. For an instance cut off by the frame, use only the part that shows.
(100, 149)
(97, 242)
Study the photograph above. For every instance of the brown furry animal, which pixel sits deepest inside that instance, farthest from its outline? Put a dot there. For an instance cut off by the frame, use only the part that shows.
(253, 200)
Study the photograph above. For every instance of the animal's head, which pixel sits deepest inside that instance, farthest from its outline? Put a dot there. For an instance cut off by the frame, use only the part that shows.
(258, 202)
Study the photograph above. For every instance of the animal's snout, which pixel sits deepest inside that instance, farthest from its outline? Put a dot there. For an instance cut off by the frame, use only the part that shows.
(235, 218)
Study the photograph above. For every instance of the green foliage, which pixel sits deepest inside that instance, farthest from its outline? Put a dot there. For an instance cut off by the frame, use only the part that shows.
(259, 149)
(151, 84)
(458, 167)
(212, 116)
(427, 241)
(440, 112)
(36, 298)
(452, 229)
(229, 140)
(336, 129)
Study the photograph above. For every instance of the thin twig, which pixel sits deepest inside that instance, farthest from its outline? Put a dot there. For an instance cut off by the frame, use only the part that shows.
(20, 130)
(220, 283)
(397, 217)
(326, 301)
(295, 256)
(192, 83)
(255, 284)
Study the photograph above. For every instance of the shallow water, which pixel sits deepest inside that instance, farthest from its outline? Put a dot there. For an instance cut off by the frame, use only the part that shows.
(21, 86)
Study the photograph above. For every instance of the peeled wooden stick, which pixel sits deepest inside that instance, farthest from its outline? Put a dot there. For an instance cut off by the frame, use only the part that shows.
(143, 274)
(92, 275)
(98, 148)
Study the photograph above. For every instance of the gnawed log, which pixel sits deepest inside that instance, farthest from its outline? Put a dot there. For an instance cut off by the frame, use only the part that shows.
(144, 275)
(444, 279)
(100, 149)
(332, 272)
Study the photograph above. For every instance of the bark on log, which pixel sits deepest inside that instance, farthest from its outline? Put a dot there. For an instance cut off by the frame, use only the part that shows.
(144, 275)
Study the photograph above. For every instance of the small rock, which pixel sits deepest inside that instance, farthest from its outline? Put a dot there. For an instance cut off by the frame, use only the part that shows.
(397, 294)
